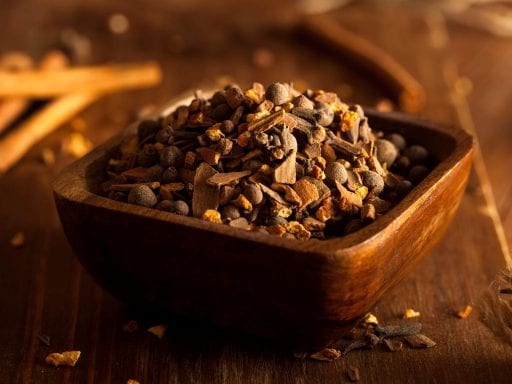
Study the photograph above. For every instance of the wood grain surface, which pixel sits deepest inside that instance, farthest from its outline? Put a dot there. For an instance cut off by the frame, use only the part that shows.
(45, 291)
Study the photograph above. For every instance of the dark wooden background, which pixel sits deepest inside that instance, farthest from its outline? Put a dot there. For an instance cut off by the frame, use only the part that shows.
(45, 291)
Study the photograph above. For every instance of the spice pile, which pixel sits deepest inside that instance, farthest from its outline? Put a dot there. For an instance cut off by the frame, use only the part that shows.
(297, 165)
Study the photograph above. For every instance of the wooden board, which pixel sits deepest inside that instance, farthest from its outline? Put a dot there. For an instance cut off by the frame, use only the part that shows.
(45, 291)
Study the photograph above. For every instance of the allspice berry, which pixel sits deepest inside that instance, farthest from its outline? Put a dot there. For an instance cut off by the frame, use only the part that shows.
(418, 173)
(179, 207)
(335, 171)
(165, 136)
(277, 93)
(170, 175)
(230, 212)
(171, 157)
(148, 156)
(142, 195)
(373, 181)
(386, 152)
(416, 154)
(253, 194)
(398, 140)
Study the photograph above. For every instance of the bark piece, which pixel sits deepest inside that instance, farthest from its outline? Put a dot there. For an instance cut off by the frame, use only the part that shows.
(205, 196)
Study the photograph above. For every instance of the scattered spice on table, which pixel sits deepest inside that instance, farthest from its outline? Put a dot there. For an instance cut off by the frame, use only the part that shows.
(17, 240)
(132, 381)
(353, 374)
(131, 326)
(368, 334)
(158, 330)
(68, 358)
(45, 339)
(410, 313)
(275, 160)
(465, 312)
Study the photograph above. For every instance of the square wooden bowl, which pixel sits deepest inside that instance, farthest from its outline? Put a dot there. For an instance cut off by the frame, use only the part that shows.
(300, 293)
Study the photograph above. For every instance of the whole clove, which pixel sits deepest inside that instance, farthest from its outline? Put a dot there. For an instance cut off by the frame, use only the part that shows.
(296, 165)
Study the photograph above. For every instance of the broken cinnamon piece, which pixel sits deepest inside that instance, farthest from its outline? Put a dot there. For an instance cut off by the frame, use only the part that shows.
(86, 80)
(266, 123)
(221, 179)
(69, 358)
(172, 187)
(351, 198)
(326, 354)
(285, 173)
(17, 240)
(158, 330)
(465, 312)
(205, 196)
(272, 194)
(210, 155)
(307, 192)
(289, 193)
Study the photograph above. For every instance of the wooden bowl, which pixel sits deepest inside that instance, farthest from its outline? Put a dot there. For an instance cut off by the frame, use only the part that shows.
(300, 293)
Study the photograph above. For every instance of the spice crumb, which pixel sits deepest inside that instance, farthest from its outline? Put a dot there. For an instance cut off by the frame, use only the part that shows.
(48, 156)
(371, 319)
(465, 312)
(118, 23)
(326, 354)
(65, 358)
(45, 339)
(132, 381)
(17, 240)
(131, 326)
(76, 144)
(158, 330)
(353, 374)
(410, 313)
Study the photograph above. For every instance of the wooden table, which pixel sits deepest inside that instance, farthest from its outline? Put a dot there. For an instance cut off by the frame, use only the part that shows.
(45, 291)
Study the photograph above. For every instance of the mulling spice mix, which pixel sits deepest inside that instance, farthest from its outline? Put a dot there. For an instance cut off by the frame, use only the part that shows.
(296, 165)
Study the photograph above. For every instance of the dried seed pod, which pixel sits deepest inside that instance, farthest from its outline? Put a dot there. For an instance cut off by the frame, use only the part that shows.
(154, 173)
(277, 93)
(169, 175)
(416, 154)
(224, 146)
(234, 96)
(147, 128)
(165, 136)
(324, 115)
(221, 112)
(142, 195)
(373, 181)
(386, 152)
(148, 156)
(227, 126)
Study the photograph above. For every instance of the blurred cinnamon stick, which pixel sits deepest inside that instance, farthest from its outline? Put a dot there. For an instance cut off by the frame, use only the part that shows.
(54, 114)
(13, 107)
(404, 87)
(98, 79)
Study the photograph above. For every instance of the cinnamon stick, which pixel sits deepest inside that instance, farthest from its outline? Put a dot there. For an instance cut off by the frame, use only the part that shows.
(404, 87)
(87, 80)
(15, 144)
(13, 107)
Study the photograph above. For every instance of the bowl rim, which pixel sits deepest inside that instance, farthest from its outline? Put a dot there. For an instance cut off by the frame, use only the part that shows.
(71, 185)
